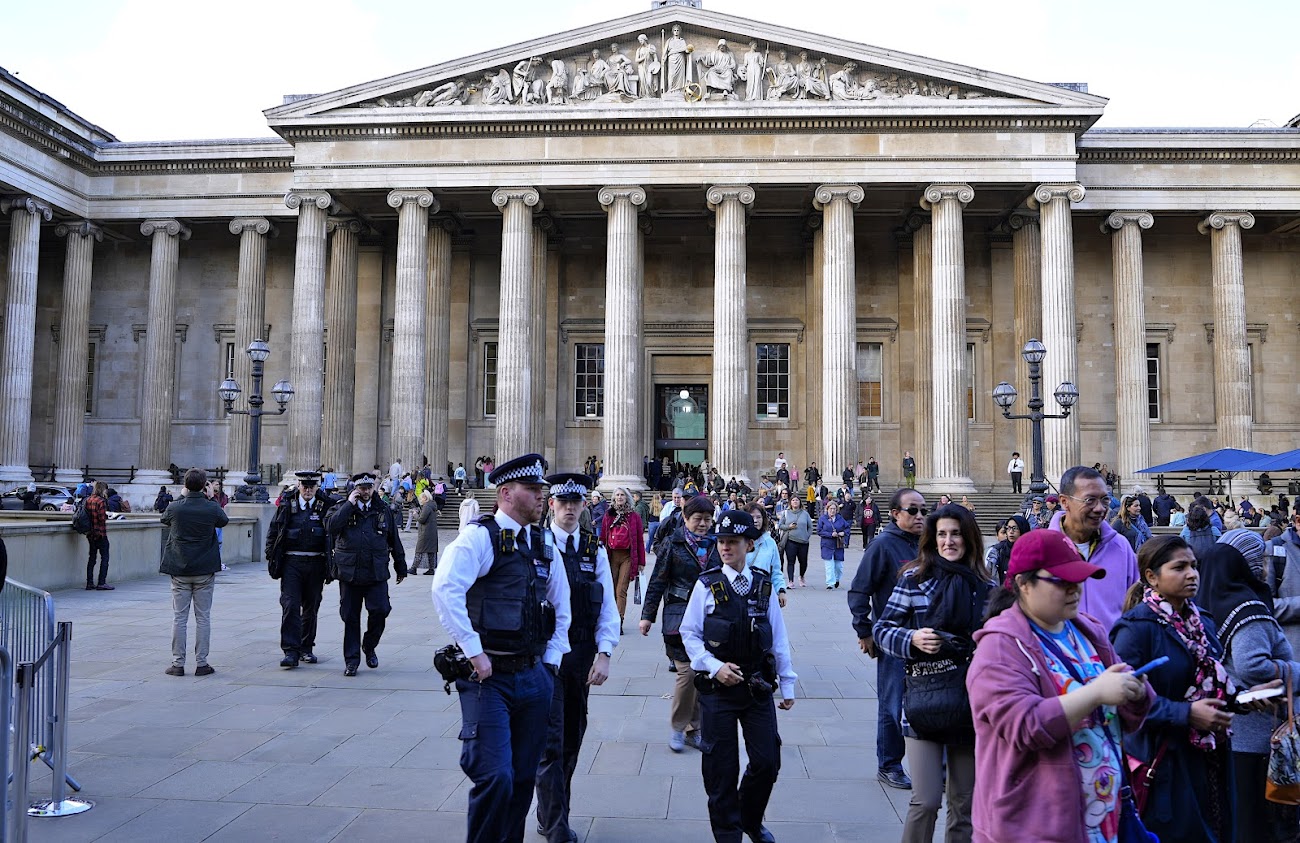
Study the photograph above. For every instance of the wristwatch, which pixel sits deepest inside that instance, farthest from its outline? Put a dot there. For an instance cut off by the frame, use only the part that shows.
(605, 653)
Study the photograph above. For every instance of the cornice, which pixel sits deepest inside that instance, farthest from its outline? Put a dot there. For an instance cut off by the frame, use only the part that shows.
(1158, 155)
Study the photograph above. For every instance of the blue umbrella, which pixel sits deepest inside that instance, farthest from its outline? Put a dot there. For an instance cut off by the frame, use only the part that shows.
(1227, 460)
(1289, 461)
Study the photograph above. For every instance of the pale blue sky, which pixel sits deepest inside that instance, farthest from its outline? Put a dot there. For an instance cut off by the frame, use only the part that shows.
(155, 70)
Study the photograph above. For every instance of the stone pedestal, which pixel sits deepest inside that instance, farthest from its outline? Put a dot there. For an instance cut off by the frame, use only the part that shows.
(250, 324)
(517, 323)
(1132, 429)
(159, 360)
(339, 400)
(920, 439)
(839, 322)
(74, 329)
(25, 217)
(948, 339)
(730, 407)
(438, 331)
(1233, 413)
(1027, 295)
(624, 342)
(409, 343)
(306, 365)
(1060, 332)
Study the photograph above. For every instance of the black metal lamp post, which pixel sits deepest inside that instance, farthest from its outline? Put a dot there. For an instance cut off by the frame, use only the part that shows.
(1005, 395)
(253, 490)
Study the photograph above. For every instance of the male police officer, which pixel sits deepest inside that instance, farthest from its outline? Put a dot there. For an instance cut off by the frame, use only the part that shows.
(364, 533)
(593, 634)
(735, 635)
(500, 601)
(296, 544)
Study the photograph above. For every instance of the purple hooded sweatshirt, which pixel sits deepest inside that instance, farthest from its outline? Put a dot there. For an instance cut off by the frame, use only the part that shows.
(1104, 598)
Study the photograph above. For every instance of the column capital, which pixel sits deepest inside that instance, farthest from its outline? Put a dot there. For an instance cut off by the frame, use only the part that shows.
(503, 196)
(1045, 193)
(936, 193)
(81, 228)
(1116, 220)
(30, 204)
(349, 224)
(420, 196)
(170, 227)
(635, 194)
(320, 198)
(1223, 219)
(261, 225)
(719, 193)
(913, 223)
(827, 193)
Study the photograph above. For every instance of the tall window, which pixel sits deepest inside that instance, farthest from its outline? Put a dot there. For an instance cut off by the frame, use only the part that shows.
(773, 392)
(92, 364)
(1250, 381)
(229, 361)
(870, 379)
(589, 380)
(970, 381)
(1153, 381)
(489, 379)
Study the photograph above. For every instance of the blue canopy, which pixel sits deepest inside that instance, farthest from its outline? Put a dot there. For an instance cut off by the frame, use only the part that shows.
(1289, 461)
(1228, 460)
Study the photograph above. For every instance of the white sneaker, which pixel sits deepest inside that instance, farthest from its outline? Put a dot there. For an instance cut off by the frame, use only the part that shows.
(677, 741)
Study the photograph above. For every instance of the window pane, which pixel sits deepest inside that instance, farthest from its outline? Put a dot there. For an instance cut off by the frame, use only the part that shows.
(870, 369)
(90, 379)
(589, 380)
(772, 391)
(1153, 381)
(489, 379)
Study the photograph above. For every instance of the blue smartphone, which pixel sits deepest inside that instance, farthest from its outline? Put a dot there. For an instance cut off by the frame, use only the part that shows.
(1150, 666)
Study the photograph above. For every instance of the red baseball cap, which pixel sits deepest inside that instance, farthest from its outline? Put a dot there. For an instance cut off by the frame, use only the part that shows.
(1053, 551)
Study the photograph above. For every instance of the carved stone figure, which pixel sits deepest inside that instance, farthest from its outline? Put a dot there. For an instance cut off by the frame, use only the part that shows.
(677, 56)
(525, 87)
(782, 78)
(496, 87)
(752, 70)
(596, 72)
(720, 77)
(620, 75)
(844, 85)
(452, 93)
(557, 86)
(812, 78)
(647, 67)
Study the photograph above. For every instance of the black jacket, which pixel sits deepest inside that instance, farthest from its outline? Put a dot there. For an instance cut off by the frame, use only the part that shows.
(877, 574)
(285, 532)
(362, 543)
(675, 572)
(190, 548)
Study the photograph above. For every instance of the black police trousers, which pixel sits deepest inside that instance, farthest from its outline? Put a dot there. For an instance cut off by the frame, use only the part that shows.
(302, 582)
(568, 725)
(734, 811)
(374, 596)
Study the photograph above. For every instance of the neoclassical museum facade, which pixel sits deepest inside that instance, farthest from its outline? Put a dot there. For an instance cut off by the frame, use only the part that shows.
(679, 233)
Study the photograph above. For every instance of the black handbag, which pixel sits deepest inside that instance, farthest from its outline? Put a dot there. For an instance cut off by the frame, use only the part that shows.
(936, 703)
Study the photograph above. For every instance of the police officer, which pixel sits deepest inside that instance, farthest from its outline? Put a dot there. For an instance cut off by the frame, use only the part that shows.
(735, 635)
(296, 544)
(499, 599)
(593, 635)
(364, 533)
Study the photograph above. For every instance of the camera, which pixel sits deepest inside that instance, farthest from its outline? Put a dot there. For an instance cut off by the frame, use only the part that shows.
(452, 664)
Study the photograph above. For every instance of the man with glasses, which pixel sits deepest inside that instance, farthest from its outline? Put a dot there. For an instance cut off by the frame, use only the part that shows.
(1085, 502)
(295, 555)
(872, 584)
(1284, 558)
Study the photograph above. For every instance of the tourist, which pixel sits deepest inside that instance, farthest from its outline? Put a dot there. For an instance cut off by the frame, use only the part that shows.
(1016, 470)
(426, 541)
(620, 534)
(1287, 589)
(163, 500)
(873, 475)
(870, 518)
(909, 469)
(1163, 507)
(1177, 515)
(834, 532)
(1083, 521)
(796, 526)
(1199, 532)
(1000, 554)
(1126, 522)
(766, 556)
(652, 523)
(191, 556)
(928, 622)
(97, 538)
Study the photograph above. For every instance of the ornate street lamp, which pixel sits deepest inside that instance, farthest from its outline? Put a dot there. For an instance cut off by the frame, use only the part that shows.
(1005, 395)
(253, 490)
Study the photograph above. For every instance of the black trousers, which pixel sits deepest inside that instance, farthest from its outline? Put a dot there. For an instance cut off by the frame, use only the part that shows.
(1016, 477)
(375, 598)
(302, 583)
(98, 546)
(568, 725)
(796, 552)
(734, 811)
(1257, 819)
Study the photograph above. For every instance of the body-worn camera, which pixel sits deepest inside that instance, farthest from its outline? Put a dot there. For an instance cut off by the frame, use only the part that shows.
(452, 664)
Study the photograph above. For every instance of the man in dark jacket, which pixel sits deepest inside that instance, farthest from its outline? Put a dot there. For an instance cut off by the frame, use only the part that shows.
(364, 533)
(296, 546)
(1144, 501)
(872, 584)
(192, 557)
(1162, 506)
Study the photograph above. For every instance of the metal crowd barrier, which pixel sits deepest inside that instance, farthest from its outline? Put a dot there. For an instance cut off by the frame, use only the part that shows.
(26, 629)
(6, 695)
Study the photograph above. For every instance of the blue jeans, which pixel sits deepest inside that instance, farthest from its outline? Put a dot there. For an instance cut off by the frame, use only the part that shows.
(503, 731)
(834, 568)
(650, 537)
(889, 726)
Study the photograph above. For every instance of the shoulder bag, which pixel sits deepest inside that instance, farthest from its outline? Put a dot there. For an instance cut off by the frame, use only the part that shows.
(1283, 785)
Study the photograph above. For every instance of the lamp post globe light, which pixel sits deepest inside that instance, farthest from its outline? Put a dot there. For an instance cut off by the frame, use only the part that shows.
(1005, 396)
(254, 490)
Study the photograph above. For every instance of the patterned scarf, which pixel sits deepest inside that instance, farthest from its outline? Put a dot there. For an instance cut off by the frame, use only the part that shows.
(1212, 681)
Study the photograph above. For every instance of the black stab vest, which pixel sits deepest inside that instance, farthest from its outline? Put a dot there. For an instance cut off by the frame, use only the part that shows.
(586, 594)
(738, 630)
(508, 606)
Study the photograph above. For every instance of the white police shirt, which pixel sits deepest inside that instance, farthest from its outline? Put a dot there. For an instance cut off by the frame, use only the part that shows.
(468, 558)
(607, 625)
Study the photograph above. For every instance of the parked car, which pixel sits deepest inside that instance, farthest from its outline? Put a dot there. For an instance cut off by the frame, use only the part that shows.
(52, 497)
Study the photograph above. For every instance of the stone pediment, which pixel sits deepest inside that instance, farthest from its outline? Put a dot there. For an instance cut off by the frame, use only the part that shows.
(677, 57)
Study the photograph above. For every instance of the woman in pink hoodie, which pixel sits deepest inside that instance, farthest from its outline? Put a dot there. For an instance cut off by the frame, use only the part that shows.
(1050, 701)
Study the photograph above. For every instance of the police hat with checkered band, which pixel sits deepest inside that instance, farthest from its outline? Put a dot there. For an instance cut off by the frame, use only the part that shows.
(568, 486)
(530, 468)
(736, 524)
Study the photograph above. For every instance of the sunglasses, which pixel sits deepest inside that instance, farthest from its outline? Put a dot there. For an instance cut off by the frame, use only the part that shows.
(1057, 581)
(916, 510)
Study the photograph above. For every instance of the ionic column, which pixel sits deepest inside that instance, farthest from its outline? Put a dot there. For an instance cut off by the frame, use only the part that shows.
(308, 327)
(250, 323)
(920, 441)
(1060, 436)
(438, 331)
(839, 321)
(516, 323)
(25, 216)
(1132, 427)
(624, 343)
(409, 345)
(74, 327)
(542, 226)
(159, 372)
(1232, 411)
(730, 407)
(339, 400)
(948, 338)
(1027, 303)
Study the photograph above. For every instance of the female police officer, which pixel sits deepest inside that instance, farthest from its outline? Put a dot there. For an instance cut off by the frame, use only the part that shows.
(735, 635)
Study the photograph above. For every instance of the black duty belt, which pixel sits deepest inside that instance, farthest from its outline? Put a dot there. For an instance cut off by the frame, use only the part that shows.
(513, 664)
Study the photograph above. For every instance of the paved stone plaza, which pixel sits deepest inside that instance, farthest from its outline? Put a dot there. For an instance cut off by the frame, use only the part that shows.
(255, 752)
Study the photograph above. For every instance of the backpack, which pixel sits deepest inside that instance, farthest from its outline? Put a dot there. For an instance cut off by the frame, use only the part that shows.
(81, 519)
(126, 505)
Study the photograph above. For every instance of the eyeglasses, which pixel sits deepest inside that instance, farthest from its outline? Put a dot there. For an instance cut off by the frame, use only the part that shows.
(916, 510)
(1056, 581)
(1090, 503)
